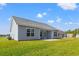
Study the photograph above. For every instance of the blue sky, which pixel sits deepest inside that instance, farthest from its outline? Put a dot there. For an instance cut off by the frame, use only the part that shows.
(60, 15)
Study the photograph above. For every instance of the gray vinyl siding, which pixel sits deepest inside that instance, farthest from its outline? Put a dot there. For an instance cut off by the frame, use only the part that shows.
(22, 33)
(52, 35)
(19, 26)
(14, 30)
(59, 34)
(49, 35)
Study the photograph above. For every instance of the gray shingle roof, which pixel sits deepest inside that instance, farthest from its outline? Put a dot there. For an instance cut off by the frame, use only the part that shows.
(30, 23)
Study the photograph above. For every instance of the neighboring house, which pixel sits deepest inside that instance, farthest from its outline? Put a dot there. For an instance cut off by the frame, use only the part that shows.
(77, 35)
(69, 35)
(24, 29)
(72, 35)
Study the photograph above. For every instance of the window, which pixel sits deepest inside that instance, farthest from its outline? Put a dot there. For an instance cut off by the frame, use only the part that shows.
(30, 32)
(55, 33)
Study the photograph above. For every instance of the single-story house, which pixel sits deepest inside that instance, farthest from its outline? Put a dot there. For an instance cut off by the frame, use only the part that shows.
(69, 35)
(25, 29)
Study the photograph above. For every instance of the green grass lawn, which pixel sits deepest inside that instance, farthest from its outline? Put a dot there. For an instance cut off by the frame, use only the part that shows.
(64, 47)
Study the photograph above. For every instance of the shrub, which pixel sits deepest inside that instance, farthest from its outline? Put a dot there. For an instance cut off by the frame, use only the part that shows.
(9, 38)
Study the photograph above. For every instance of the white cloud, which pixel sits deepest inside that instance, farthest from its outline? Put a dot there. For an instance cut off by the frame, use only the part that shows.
(68, 6)
(70, 23)
(58, 20)
(77, 23)
(39, 15)
(50, 21)
(9, 19)
(44, 13)
(2, 5)
(66, 23)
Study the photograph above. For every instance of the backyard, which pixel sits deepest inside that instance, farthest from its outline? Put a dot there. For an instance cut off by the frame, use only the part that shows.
(62, 47)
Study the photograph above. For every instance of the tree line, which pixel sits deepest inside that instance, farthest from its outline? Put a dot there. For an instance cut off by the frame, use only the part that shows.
(75, 31)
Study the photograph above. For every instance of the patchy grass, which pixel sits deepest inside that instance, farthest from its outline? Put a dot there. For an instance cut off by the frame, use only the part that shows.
(64, 47)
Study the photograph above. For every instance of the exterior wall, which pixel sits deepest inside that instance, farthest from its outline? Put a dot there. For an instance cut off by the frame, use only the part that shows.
(52, 35)
(22, 33)
(49, 35)
(59, 34)
(45, 34)
(69, 35)
(18, 32)
(14, 30)
(77, 35)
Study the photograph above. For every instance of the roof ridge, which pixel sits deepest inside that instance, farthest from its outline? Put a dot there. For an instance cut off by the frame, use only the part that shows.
(30, 20)
(17, 19)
